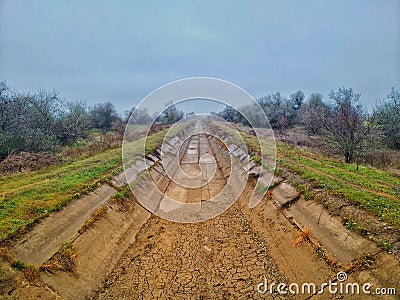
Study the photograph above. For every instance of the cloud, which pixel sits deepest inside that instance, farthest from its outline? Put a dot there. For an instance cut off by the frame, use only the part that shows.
(121, 51)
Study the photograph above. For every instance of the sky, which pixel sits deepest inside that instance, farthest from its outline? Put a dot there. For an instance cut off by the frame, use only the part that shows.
(120, 51)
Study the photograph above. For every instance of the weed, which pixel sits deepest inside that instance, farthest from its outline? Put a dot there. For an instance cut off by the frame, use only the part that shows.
(303, 237)
(320, 252)
(64, 259)
(31, 273)
(66, 256)
(101, 211)
(122, 194)
(278, 172)
(299, 187)
(387, 246)
(350, 225)
(307, 195)
(19, 265)
(6, 255)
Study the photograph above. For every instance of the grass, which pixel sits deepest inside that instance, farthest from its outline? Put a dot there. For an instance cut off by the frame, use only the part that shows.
(124, 193)
(369, 188)
(366, 177)
(97, 215)
(387, 209)
(64, 259)
(27, 197)
(350, 225)
(374, 190)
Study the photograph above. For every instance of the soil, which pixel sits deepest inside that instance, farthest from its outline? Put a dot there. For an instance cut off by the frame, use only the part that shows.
(24, 162)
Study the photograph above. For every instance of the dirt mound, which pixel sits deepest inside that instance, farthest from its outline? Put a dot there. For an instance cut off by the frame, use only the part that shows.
(25, 161)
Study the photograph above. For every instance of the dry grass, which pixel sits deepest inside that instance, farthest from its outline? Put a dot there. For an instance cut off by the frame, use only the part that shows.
(97, 215)
(6, 255)
(101, 143)
(64, 259)
(303, 237)
(31, 273)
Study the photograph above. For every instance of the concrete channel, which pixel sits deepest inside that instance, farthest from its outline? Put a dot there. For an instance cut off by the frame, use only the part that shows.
(193, 176)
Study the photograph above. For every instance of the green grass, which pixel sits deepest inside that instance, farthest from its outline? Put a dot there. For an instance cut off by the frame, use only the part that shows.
(365, 177)
(25, 198)
(387, 209)
(122, 194)
(374, 190)
(350, 225)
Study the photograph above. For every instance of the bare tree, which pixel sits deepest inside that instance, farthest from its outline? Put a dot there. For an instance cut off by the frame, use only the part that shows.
(171, 114)
(311, 113)
(346, 125)
(297, 99)
(280, 111)
(255, 115)
(28, 121)
(73, 123)
(138, 116)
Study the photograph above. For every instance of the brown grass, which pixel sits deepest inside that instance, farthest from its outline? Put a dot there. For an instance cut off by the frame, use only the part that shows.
(303, 237)
(100, 212)
(109, 140)
(31, 273)
(64, 259)
(6, 255)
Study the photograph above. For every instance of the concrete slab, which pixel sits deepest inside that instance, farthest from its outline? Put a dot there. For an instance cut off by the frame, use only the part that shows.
(249, 166)
(190, 159)
(266, 179)
(284, 194)
(344, 245)
(39, 244)
(207, 159)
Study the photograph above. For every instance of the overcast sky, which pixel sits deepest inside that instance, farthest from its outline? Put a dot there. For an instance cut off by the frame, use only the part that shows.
(122, 50)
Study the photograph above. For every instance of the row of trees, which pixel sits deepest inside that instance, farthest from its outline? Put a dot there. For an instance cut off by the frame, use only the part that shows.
(346, 125)
(41, 121)
(171, 114)
(281, 112)
(343, 122)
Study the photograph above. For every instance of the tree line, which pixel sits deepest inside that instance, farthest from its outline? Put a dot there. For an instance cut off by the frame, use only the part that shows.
(41, 121)
(343, 122)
